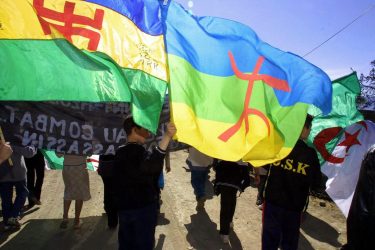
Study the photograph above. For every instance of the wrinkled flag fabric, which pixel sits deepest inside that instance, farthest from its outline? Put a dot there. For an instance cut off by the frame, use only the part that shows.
(234, 96)
(93, 51)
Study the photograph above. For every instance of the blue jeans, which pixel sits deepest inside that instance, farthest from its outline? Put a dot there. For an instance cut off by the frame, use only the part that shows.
(199, 177)
(11, 209)
(161, 180)
(137, 228)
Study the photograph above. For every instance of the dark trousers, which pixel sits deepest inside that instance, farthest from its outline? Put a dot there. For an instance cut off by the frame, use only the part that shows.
(198, 181)
(228, 202)
(10, 208)
(109, 201)
(34, 185)
(280, 227)
(137, 228)
(262, 183)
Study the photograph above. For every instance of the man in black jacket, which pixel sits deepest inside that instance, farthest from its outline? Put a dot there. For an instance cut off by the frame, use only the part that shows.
(230, 178)
(135, 191)
(286, 194)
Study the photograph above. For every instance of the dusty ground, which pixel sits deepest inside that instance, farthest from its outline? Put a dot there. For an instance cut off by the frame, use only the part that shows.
(180, 226)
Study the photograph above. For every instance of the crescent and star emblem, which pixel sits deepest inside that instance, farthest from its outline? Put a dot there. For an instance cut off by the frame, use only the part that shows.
(327, 135)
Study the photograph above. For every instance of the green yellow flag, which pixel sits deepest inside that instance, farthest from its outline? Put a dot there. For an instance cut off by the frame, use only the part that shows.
(89, 51)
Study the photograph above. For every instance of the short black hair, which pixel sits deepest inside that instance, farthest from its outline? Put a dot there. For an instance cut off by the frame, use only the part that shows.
(129, 124)
(308, 121)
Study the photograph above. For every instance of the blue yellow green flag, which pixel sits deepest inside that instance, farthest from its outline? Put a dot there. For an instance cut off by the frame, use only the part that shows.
(93, 51)
(234, 96)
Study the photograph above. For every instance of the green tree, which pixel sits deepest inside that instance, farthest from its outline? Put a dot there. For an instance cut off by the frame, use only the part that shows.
(367, 98)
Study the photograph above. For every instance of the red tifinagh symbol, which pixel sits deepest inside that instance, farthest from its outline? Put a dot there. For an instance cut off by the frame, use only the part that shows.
(68, 18)
(269, 80)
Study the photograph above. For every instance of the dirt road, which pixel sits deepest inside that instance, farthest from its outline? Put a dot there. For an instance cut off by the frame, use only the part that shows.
(180, 226)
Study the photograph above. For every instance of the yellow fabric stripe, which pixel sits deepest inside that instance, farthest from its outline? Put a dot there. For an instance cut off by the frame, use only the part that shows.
(256, 147)
(119, 37)
(18, 20)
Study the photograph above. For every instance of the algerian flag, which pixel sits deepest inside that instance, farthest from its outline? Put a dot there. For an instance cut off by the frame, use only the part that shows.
(326, 129)
(346, 159)
(93, 162)
(57, 163)
(342, 138)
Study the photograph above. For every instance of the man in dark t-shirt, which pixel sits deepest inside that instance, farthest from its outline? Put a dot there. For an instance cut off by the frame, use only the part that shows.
(286, 194)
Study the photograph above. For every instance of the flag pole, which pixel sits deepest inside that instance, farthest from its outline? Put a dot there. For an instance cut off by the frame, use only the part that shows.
(3, 139)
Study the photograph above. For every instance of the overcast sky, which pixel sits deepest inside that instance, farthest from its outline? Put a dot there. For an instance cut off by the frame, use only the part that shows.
(299, 26)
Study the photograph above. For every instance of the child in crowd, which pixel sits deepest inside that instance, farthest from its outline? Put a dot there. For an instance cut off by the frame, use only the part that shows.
(136, 194)
(286, 194)
(35, 177)
(230, 178)
(199, 165)
(14, 176)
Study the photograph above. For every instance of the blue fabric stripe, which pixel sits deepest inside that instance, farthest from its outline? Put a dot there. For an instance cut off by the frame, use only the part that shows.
(205, 41)
(145, 14)
(199, 39)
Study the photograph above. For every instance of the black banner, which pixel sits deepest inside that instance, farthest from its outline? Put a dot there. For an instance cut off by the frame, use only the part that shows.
(72, 127)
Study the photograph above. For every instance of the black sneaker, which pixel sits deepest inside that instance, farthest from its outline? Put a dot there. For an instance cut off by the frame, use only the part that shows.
(12, 221)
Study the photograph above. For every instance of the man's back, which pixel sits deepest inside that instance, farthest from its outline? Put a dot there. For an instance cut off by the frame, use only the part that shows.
(134, 175)
(290, 179)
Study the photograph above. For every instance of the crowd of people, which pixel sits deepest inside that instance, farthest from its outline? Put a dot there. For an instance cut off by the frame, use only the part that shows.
(131, 180)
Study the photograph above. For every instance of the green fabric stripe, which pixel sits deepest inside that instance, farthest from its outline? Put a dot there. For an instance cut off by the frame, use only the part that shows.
(350, 82)
(54, 162)
(147, 98)
(192, 87)
(51, 70)
(90, 166)
(40, 70)
(222, 99)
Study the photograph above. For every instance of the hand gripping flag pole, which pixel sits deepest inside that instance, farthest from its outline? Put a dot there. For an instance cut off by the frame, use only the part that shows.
(3, 139)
